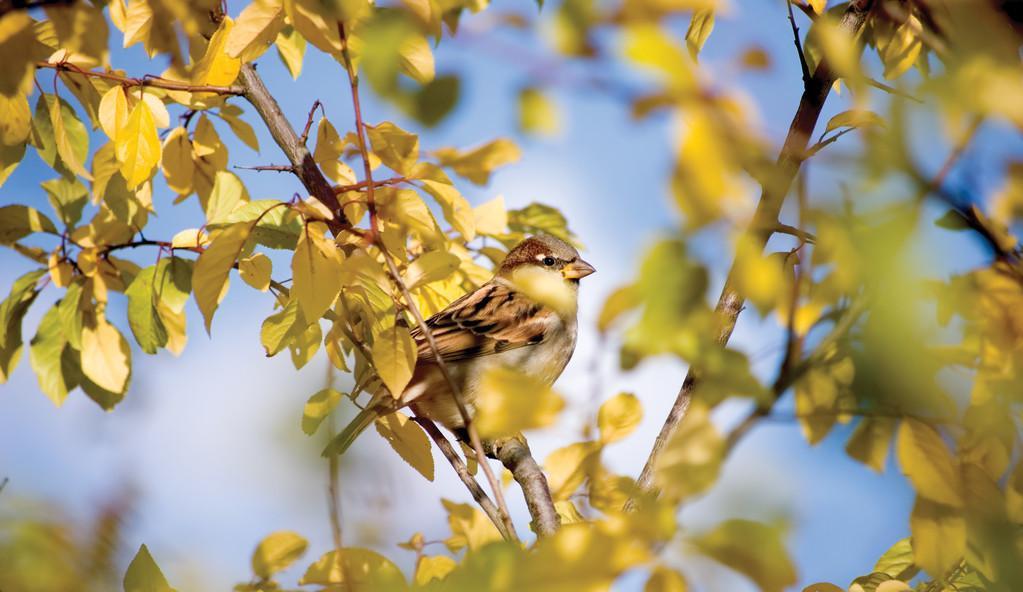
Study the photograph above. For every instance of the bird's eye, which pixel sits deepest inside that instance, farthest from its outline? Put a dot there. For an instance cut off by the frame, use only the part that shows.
(548, 261)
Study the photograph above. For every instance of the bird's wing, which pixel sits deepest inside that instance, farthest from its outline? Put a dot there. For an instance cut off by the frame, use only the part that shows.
(492, 319)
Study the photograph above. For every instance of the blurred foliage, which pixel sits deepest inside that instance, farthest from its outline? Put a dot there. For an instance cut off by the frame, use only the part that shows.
(871, 337)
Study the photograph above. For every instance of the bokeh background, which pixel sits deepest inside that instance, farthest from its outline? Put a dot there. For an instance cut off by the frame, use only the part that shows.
(207, 446)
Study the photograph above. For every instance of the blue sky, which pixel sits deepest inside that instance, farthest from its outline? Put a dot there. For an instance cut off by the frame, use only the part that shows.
(211, 440)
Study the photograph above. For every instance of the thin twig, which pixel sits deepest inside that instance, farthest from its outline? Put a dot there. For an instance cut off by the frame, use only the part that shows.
(373, 238)
(366, 184)
(730, 302)
(147, 80)
(309, 120)
(462, 471)
(799, 46)
(277, 168)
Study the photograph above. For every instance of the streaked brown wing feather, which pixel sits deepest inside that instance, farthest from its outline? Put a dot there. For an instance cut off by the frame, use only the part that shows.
(490, 320)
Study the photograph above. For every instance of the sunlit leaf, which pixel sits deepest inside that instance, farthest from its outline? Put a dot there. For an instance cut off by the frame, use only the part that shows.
(106, 358)
(927, 463)
(138, 145)
(317, 408)
(700, 28)
(367, 570)
(276, 552)
(618, 417)
(938, 535)
(144, 574)
(255, 29)
(316, 271)
(408, 440)
(209, 280)
(753, 549)
(394, 358)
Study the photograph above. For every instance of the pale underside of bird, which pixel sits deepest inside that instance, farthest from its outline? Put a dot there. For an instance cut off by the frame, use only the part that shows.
(500, 324)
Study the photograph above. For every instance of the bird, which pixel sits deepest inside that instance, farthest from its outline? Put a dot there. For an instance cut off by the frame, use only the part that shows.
(500, 324)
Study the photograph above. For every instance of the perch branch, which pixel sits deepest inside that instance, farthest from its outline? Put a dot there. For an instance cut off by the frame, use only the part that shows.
(514, 454)
(730, 302)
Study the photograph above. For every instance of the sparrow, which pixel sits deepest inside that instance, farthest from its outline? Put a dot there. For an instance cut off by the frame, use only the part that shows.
(497, 324)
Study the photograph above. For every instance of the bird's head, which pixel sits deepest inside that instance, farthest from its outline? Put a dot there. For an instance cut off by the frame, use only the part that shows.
(542, 264)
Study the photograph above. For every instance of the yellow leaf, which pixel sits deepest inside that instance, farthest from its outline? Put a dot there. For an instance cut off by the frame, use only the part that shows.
(106, 359)
(394, 358)
(618, 303)
(663, 579)
(10, 158)
(538, 114)
(699, 31)
(316, 271)
(457, 210)
(15, 119)
(256, 271)
(70, 135)
(317, 408)
(818, 5)
(228, 194)
(416, 58)
(408, 440)
(190, 238)
(396, 148)
(367, 570)
(430, 267)
(548, 289)
(113, 111)
(705, 174)
(329, 148)
(256, 28)
(751, 548)
(209, 280)
(903, 48)
(291, 49)
(138, 146)
(176, 163)
(276, 552)
(854, 118)
(509, 402)
(144, 574)
(216, 68)
(816, 404)
(870, 441)
(18, 221)
(161, 117)
(433, 567)
(569, 466)
(692, 457)
(479, 163)
(927, 463)
(308, 18)
(618, 417)
(470, 528)
(491, 217)
(938, 535)
(175, 324)
(650, 46)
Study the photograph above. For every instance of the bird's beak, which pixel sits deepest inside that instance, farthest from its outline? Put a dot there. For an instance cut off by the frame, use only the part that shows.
(577, 269)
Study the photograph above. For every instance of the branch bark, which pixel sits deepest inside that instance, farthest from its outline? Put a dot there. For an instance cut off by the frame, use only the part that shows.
(147, 80)
(765, 219)
(301, 159)
(514, 454)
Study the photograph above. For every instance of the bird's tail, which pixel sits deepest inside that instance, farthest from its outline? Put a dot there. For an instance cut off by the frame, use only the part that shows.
(343, 440)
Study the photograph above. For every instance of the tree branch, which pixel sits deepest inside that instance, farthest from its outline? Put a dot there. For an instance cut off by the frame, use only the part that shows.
(301, 159)
(462, 471)
(514, 454)
(147, 80)
(730, 302)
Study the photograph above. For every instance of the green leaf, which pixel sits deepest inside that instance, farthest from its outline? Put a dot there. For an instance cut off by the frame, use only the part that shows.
(394, 358)
(927, 463)
(416, 59)
(276, 552)
(618, 417)
(173, 282)
(143, 317)
(256, 271)
(45, 356)
(316, 271)
(70, 136)
(144, 574)
(750, 548)
(364, 570)
(952, 220)
(227, 195)
(71, 315)
(209, 280)
(317, 408)
(68, 197)
(18, 221)
(409, 440)
(699, 31)
(278, 227)
(898, 561)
